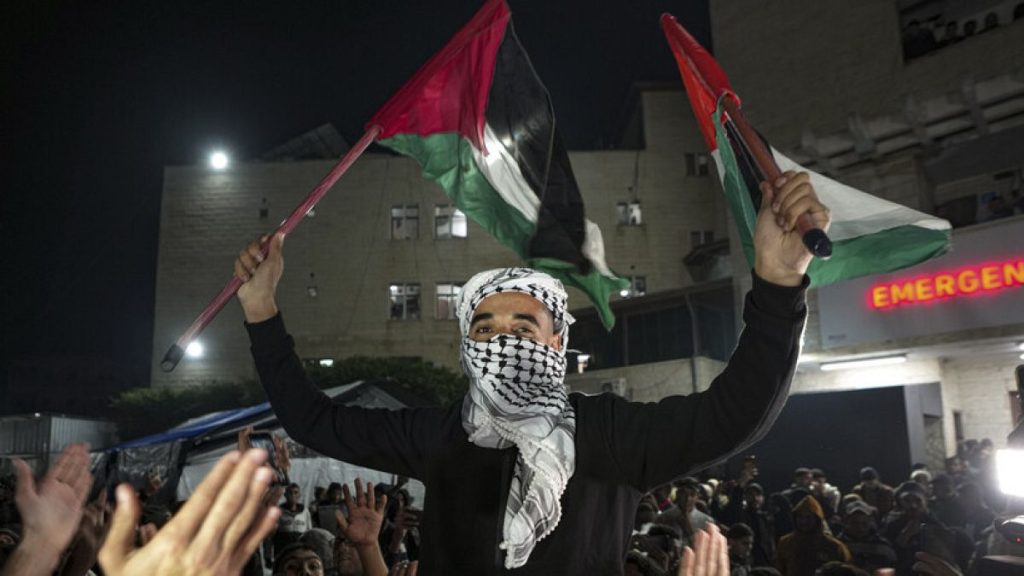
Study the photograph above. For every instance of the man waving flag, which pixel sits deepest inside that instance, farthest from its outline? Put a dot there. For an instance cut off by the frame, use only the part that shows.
(870, 235)
(480, 122)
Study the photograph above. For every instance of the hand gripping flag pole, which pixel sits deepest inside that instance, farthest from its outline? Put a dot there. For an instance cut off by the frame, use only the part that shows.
(177, 350)
(707, 85)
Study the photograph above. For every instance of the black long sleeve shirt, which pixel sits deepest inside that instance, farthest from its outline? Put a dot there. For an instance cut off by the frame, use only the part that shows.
(622, 448)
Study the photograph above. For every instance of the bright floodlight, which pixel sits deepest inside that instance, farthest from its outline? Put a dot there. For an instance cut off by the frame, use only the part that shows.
(194, 350)
(1010, 471)
(218, 160)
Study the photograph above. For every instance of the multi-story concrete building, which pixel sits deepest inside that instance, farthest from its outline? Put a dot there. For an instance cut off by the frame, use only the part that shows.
(844, 88)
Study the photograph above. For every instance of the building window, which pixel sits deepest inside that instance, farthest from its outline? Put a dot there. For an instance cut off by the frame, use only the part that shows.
(449, 222)
(637, 287)
(447, 295)
(405, 301)
(405, 222)
(697, 164)
(628, 214)
(701, 237)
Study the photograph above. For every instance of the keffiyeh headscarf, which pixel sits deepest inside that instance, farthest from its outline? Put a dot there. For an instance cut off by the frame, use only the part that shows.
(517, 397)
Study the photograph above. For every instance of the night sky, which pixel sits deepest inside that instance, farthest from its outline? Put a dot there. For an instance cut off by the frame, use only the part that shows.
(98, 100)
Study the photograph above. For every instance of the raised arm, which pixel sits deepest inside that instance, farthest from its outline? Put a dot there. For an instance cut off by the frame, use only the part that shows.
(649, 444)
(388, 440)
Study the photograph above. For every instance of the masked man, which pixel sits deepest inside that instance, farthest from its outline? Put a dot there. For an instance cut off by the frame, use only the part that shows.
(521, 476)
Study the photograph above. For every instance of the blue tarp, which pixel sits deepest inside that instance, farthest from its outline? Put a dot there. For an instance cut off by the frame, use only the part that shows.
(197, 426)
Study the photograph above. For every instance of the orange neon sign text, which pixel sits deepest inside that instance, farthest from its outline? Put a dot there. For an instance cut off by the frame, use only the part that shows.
(967, 281)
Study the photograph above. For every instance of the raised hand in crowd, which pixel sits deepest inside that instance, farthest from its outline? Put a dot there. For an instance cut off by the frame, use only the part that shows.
(50, 511)
(215, 532)
(709, 555)
(361, 528)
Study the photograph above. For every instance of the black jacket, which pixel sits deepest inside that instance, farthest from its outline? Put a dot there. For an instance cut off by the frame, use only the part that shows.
(622, 448)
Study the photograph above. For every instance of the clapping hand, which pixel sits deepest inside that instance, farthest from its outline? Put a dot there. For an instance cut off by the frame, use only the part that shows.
(215, 532)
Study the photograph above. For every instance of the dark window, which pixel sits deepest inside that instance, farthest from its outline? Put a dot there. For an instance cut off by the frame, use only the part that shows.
(405, 222)
(405, 301)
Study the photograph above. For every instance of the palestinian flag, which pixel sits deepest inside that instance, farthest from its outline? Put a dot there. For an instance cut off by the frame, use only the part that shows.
(870, 235)
(480, 122)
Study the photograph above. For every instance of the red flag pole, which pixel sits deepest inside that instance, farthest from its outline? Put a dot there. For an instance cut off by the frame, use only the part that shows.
(814, 238)
(177, 350)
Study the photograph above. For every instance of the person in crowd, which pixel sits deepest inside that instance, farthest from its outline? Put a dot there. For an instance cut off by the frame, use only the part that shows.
(298, 559)
(945, 503)
(295, 518)
(646, 516)
(741, 545)
(544, 463)
(868, 550)
(686, 515)
(746, 505)
(801, 486)
(216, 531)
(400, 536)
(828, 495)
(956, 469)
(977, 514)
(904, 526)
(871, 489)
(322, 542)
(808, 547)
(638, 563)
(781, 512)
(359, 527)
(923, 477)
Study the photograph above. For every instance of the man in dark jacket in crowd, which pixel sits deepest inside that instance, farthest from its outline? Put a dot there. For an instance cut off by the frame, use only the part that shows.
(874, 492)
(746, 505)
(907, 524)
(860, 535)
(520, 474)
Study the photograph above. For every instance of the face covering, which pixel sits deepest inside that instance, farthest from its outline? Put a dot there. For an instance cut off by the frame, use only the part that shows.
(517, 397)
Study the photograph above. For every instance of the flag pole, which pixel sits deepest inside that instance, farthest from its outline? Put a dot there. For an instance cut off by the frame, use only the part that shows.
(177, 350)
(814, 238)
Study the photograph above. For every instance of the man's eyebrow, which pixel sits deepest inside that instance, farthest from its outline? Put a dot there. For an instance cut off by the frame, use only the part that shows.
(480, 317)
(528, 317)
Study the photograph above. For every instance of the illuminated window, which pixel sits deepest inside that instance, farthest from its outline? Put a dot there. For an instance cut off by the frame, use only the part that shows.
(449, 222)
(697, 164)
(447, 295)
(637, 287)
(405, 222)
(405, 301)
(628, 214)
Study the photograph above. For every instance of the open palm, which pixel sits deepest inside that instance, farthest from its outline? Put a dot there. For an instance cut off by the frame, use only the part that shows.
(365, 515)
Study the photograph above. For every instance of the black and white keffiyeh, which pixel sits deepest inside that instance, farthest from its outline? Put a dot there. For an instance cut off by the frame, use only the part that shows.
(517, 397)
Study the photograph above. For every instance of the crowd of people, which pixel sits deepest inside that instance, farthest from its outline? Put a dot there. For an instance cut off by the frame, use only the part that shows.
(932, 522)
(240, 520)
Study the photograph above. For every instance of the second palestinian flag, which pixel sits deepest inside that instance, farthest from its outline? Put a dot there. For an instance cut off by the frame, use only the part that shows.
(480, 122)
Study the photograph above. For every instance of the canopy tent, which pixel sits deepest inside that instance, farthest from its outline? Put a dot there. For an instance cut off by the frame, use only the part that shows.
(183, 455)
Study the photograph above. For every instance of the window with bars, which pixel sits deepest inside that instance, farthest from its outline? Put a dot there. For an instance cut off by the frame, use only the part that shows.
(447, 296)
(449, 222)
(697, 164)
(628, 213)
(701, 237)
(405, 222)
(405, 301)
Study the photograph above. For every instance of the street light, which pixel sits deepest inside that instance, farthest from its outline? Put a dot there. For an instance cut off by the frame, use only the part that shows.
(218, 160)
(195, 350)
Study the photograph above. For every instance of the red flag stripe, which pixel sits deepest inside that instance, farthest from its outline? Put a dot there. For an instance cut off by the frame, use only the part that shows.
(449, 93)
(704, 79)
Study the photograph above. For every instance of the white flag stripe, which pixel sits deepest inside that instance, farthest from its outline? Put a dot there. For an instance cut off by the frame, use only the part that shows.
(856, 213)
(502, 171)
